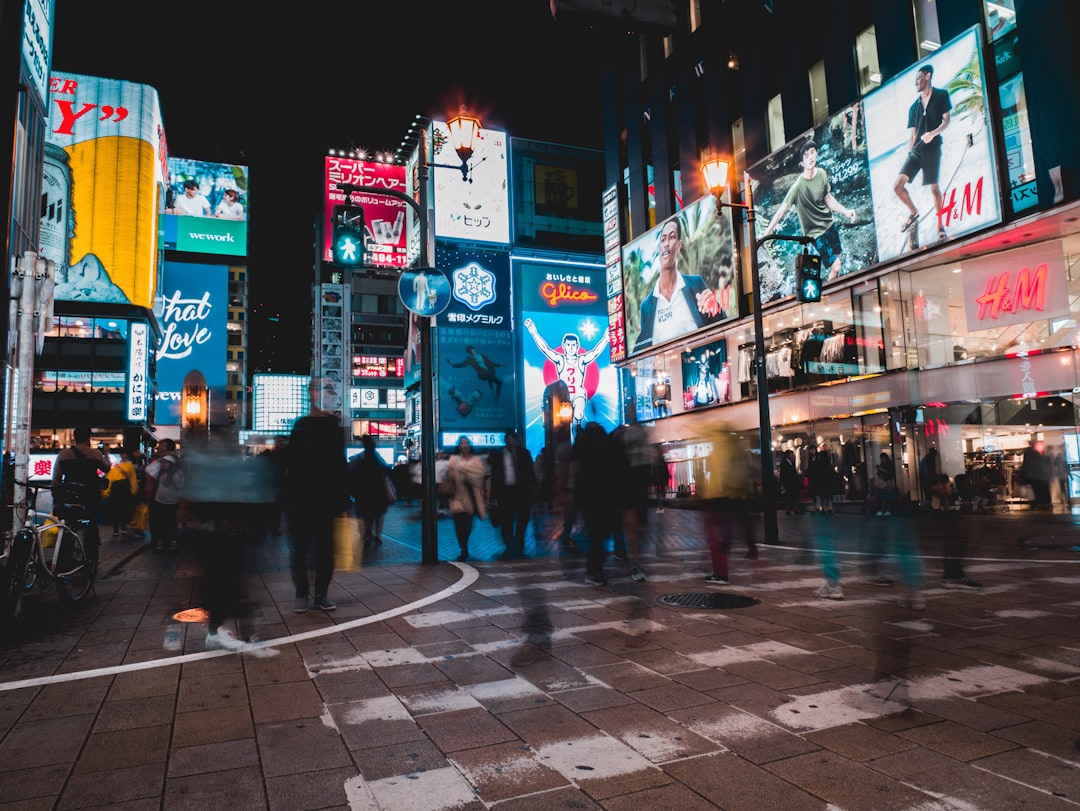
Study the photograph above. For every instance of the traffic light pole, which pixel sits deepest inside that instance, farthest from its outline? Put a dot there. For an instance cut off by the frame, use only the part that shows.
(429, 527)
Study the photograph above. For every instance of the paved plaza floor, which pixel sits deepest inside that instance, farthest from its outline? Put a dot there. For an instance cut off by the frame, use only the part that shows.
(516, 685)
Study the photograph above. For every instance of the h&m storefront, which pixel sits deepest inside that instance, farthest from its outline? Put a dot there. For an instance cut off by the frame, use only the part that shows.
(971, 349)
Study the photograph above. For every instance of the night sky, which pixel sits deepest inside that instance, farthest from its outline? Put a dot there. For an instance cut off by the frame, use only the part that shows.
(273, 86)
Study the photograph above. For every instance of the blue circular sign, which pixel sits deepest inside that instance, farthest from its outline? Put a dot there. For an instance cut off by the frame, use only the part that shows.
(424, 291)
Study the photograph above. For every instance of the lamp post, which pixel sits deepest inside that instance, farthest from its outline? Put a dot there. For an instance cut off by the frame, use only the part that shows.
(463, 130)
(715, 172)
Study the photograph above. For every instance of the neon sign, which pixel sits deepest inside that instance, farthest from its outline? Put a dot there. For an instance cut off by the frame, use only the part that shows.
(1030, 291)
(554, 293)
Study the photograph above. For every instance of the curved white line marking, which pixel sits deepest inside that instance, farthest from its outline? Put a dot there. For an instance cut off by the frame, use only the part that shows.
(469, 576)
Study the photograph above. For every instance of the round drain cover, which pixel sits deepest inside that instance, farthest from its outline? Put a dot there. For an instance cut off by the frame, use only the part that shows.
(708, 600)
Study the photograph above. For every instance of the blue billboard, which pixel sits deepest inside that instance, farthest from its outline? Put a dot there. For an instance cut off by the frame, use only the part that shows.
(193, 312)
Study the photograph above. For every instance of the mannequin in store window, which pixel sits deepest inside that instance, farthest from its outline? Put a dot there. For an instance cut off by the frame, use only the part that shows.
(661, 395)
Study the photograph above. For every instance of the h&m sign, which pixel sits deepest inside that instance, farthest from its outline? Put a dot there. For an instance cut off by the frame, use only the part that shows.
(1015, 287)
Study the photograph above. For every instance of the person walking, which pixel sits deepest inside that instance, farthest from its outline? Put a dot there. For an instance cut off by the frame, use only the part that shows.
(164, 490)
(368, 478)
(315, 493)
(884, 485)
(823, 476)
(726, 494)
(790, 483)
(513, 480)
(596, 456)
(467, 473)
(121, 494)
(1036, 471)
(77, 486)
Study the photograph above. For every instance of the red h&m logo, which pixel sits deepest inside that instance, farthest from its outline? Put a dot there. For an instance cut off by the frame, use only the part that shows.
(1028, 293)
(970, 203)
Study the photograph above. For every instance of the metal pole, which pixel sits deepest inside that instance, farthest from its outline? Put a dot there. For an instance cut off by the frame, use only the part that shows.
(429, 528)
(771, 530)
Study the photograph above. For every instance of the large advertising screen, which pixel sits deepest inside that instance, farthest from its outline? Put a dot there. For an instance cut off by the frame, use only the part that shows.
(107, 177)
(206, 207)
(477, 207)
(476, 388)
(565, 339)
(679, 277)
(706, 376)
(194, 313)
(947, 178)
(815, 187)
(385, 231)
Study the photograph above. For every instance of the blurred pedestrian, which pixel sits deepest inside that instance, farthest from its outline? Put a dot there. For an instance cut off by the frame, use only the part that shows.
(823, 480)
(315, 493)
(884, 485)
(164, 491)
(226, 497)
(660, 477)
(121, 493)
(1036, 473)
(790, 484)
(368, 478)
(1059, 467)
(596, 496)
(929, 470)
(513, 483)
(275, 459)
(77, 486)
(634, 477)
(564, 474)
(468, 473)
(726, 496)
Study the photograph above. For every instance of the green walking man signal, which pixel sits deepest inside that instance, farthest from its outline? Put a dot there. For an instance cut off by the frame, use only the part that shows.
(808, 271)
(348, 244)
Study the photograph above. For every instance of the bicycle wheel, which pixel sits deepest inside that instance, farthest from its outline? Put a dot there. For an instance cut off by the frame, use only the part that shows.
(74, 572)
(13, 582)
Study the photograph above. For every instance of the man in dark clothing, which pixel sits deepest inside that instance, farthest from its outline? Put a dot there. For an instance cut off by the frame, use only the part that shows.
(315, 493)
(927, 119)
(790, 484)
(596, 493)
(368, 476)
(1035, 468)
(77, 486)
(513, 478)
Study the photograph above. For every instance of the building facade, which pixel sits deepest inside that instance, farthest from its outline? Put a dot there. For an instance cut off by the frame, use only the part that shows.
(955, 328)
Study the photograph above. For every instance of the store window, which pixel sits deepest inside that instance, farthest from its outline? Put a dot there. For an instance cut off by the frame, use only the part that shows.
(819, 96)
(775, 123)
(926, 27)
(866, 57)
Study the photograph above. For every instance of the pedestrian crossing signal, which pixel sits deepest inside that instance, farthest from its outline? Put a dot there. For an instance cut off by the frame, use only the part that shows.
(808, 271)
(348, 242)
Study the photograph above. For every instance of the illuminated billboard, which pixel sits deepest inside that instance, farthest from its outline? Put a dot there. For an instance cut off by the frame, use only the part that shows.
(194, 313)
(277, 401)
(706, 376)
(474, 208)
(206, 207)
(114, 171)
(679, 277)
(815, 186)
(955, 165)
(565, 339)
(385, 231)
(476, 382)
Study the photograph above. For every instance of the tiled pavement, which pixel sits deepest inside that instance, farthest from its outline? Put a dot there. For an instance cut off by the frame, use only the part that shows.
(406, 697)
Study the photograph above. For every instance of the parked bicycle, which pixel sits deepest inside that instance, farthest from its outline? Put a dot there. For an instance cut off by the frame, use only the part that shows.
(43, 551)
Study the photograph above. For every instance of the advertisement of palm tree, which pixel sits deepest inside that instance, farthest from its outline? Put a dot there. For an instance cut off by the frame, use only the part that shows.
(967, 178)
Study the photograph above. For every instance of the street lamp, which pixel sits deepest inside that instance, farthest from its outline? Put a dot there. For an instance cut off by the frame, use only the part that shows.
(463, 130)
(715, 171)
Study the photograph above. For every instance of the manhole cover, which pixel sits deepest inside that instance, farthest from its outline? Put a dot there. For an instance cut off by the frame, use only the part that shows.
(709, 600)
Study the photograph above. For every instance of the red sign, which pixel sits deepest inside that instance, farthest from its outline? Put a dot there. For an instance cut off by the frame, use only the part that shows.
(1015, 287)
